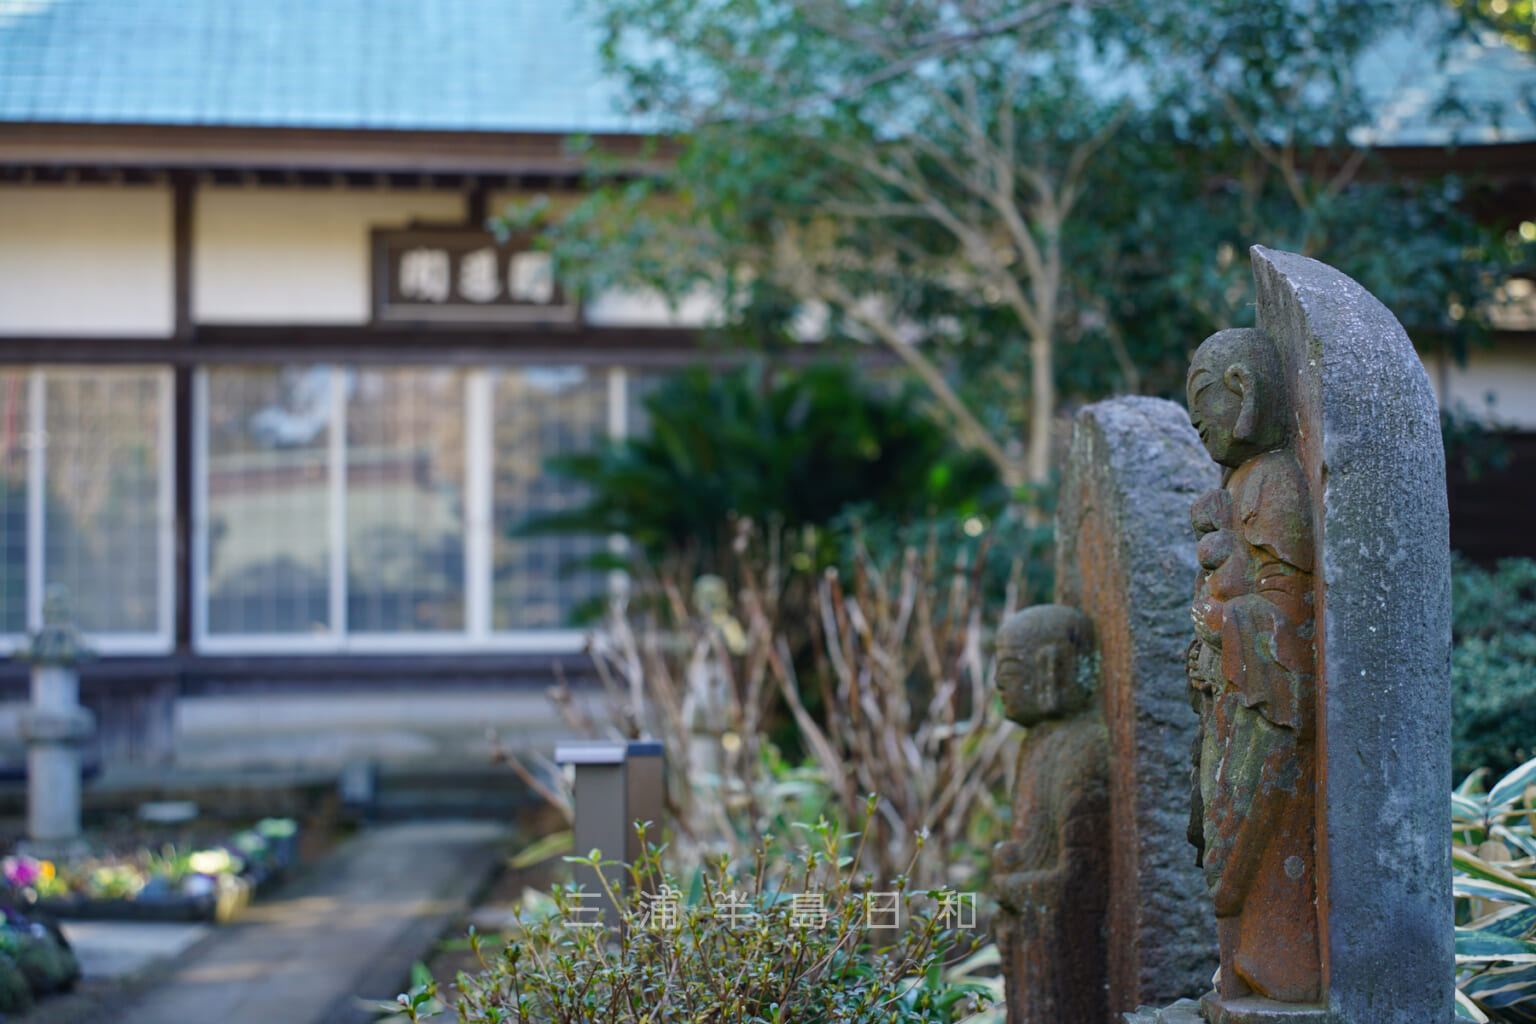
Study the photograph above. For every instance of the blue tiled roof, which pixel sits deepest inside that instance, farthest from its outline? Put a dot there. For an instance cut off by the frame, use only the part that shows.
(475, 65)
(515, 65)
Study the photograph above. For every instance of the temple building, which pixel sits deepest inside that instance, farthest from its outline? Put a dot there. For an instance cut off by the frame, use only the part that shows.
(273, 401)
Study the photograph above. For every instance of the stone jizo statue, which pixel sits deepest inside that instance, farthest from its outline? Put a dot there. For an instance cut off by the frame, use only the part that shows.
(1251, 674)
(1319, 665)
(1051, 878)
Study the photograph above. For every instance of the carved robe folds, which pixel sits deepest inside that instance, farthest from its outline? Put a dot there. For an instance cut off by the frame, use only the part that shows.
(1252, 676)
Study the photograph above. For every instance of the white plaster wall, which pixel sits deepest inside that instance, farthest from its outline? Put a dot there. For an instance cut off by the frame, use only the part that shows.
(86, 260)
(1508, 373)
(618, 308)
(296, 256)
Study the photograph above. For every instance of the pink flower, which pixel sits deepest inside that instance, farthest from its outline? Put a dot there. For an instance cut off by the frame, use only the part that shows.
(20, 872)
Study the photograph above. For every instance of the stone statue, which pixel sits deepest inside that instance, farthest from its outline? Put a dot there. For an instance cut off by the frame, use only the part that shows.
(1252, 670)
(1051, 879)
(1320, 665)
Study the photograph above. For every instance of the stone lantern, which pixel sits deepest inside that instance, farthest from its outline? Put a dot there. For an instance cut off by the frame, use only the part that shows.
(55, 726)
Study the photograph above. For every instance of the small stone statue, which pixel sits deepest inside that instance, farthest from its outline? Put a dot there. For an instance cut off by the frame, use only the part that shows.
(1251, 674)
(1051, 879)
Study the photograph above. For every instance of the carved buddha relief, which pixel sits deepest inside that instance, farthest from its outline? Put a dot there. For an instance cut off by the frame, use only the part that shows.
(1251, 673)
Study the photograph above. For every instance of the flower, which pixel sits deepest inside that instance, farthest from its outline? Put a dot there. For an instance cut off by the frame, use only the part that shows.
(213, 862)
(197, 885)
(21, 872)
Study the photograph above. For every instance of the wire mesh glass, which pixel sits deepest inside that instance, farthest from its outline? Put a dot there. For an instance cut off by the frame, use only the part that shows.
(538, 582)
(102, 508)
(268, 500)
(405, 499)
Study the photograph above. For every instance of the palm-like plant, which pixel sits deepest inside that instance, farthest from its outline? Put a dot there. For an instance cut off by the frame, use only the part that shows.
(793, 446)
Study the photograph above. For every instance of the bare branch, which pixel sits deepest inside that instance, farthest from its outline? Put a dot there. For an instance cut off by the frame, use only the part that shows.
(970, 428)
(924, 48)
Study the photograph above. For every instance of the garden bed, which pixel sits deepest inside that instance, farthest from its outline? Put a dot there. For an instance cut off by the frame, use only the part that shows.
(187, 882)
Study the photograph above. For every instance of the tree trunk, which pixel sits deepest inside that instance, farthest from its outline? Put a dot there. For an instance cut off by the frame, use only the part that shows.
(1042, 369)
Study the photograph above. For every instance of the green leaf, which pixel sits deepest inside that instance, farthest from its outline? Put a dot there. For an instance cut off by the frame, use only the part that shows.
(1511, 787)
(1468, 809)
(1485, 945)
(1516, 922)
(1476, 888)
(1502, 989)
(1525, 843)
(553, 845)
(1477, 868)
(1467, 1009)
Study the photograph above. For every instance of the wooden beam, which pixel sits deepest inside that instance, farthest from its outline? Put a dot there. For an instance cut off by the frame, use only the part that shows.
(640, 347)
(182, 463)
(183, 195)
(204, 147)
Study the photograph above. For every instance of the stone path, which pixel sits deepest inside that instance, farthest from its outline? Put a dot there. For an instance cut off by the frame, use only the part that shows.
(322, 950)
(118, 949)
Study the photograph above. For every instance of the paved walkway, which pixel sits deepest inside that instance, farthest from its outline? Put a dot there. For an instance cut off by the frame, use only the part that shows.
(325, 948)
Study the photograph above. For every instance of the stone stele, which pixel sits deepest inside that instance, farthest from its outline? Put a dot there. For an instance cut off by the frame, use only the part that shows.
(1125, 556)
(1320, 665)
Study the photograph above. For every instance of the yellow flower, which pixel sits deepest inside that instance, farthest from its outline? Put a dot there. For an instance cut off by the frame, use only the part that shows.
(45, 870)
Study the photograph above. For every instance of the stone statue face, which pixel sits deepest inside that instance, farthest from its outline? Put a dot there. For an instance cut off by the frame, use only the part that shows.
(1232, 394)
(1043, 663)
(1213, 408)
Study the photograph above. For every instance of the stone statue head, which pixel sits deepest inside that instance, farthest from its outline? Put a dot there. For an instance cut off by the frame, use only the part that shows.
(1236, 392)
(1045, 663)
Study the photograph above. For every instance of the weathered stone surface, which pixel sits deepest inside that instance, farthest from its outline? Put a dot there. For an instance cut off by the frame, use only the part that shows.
(1252, 676)
(1126, 557)
(1050, 878)
(1370, 448)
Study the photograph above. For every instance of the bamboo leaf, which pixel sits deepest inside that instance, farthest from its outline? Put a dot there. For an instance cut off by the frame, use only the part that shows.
(1512, 786)
(1467, 1009)
(1502, 988)
(1475, 888)
(1465, 808)
(1472, 785)
(1516, 922)
(1478, 868)
(1525, 843)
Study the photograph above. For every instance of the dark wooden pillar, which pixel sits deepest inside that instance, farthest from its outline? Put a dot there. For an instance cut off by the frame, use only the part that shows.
(184, 194)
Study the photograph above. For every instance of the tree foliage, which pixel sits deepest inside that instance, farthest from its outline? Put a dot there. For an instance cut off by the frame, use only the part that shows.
(1020, 200)
(1493, 665)
(795, 447)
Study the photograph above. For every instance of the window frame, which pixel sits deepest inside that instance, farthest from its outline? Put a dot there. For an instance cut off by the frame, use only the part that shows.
(479, 526)
(162, 639)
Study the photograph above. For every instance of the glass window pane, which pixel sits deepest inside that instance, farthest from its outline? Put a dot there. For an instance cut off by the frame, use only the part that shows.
(102, 509)
(405, 500)
(15, 440)
(640, 385)
(542, 411)
(269, 503)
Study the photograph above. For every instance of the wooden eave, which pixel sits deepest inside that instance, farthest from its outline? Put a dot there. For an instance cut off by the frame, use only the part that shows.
(1497, 162)
(139, 147)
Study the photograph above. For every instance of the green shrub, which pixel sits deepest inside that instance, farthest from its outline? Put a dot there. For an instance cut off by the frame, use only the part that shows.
(739, 946)
(790, 446)
(1493, 665)
(1494, 859)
